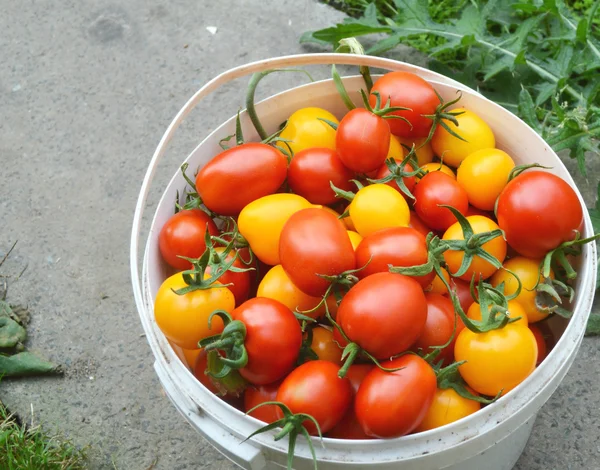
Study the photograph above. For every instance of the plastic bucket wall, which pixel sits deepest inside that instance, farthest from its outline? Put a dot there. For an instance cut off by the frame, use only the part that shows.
(492, 438)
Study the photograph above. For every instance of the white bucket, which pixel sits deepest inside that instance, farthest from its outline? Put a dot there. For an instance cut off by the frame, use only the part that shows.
(492, 438)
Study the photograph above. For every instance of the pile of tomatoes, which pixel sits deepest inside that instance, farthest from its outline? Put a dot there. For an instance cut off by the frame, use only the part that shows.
(369, 277)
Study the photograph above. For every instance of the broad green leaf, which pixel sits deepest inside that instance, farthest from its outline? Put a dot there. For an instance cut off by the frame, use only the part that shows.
(380, 47)
(342, 31)
(504, 63)
(545, 91)
(26, 363)
(527, 109)
(582, 30)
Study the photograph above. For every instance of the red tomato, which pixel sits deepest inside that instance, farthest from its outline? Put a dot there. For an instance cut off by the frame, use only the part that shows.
(410, 91)
(383, 313)
(362, 140)
(409, 181)
(438, 188)
(273, 339)
(311, 172)
(254, 396)
(314, 241)
(349, 427)
(314, 388)
(183, 234)
(398, 246)
(240, 175)
(392, 404)
(541, 343)
(439, 327)
(538, 211)
(239, 282)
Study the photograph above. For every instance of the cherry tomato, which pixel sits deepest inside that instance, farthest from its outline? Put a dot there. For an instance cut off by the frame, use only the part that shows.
(541, 344)
(528, 271)
(183, 319)
(398, 246)
(313, 242)
(362, 140)
(447, 407)
(439, 327)
(496, 360)
(383, 328)
(312, 170)
(255, 395)
(262, 221)
(422, 149)
(483, 175)
(355, 238)
(273, 339)
(183, 235)
(514, 311)
(237, 282)
(410, 91)
(495, 247)
(278, 286)
(324, 345)
(349, 427)
(437, 286)
(538, 211)
(240, 175)
(438, 188)
(437, 166)
(409, 181)
(378, 206)
(472, 128)
(395, 150)
(305, 130)
(392, 404)
(314, 388)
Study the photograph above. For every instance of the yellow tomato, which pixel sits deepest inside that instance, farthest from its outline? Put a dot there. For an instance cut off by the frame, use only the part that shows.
(483, 175)
(495, 247)
(436, 166)
(278, 286)
(496, 360)
(515, 310)
(378, 206)
(261, 222)
(424, 152)
(324, 345)
(528, 271)
(183, 319)
(305, 130)
(437, 286)
(447, 407)
(355, 238)
(472, 128)
(396, 151)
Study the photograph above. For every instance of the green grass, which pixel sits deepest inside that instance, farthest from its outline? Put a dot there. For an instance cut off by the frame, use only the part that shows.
(30, 448)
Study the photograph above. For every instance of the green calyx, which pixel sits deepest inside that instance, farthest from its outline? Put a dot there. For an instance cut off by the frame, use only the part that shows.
(442, 114)
(192, 199)
(231, 344)
(306, 351)
(472, 245)
(449, 377)
(398, 172)
(386, 110)
(227, 382)
(435, 261)
(291, 425)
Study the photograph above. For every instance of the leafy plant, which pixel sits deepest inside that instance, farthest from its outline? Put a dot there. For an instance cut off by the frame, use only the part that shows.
(535, 58)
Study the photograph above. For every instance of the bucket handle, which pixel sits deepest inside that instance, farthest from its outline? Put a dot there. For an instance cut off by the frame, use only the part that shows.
(226, 77)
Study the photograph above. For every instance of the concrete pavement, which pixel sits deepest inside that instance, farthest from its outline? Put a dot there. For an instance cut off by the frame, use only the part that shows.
(86, 90)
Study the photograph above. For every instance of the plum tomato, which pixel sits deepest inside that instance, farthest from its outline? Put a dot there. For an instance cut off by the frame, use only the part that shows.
(324, 345)
(312, 170)
(384, 313)
(255, 395)
(304, 130)
(378, 206)
(447, 407)
(314, 388)
(313, 242)
(240, 175)
(393, 404)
